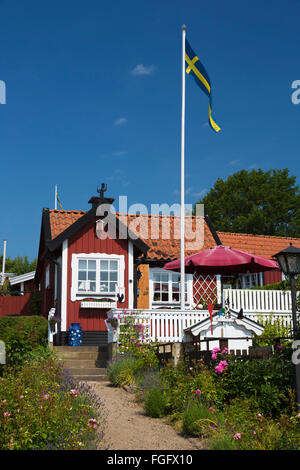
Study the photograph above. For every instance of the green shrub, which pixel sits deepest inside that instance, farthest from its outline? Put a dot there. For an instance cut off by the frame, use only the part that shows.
(198, 419)
(122, 370)
(42, 408)
(22, 335)
(155, 403)
(268, 381)
(221, 442)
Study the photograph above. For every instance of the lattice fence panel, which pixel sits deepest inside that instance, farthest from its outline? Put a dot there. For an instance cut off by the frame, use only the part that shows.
(204, 289)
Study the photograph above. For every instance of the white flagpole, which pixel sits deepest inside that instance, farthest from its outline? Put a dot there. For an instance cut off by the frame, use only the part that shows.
(55, 203)
(182, 211)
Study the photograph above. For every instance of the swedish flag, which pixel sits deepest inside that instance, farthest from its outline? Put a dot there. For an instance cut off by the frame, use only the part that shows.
(197, 70)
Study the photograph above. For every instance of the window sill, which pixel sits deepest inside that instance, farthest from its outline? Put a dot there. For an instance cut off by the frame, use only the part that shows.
(98, 304)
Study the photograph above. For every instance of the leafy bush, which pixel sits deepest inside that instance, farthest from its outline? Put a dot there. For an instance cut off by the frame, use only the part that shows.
(246, 428)
(198, 419)
(155, 403)
(121, 371)
(22, 335)
(41, 407)
(268, 381)
(273, 328)
(181, 382)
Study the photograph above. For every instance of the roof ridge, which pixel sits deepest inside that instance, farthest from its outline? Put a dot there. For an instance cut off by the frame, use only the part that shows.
(258, 235)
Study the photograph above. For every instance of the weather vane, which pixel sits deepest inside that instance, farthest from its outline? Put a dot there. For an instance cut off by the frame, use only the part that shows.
(102, 190)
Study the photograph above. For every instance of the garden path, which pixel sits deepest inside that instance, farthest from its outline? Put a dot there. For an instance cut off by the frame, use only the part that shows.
(128, 428)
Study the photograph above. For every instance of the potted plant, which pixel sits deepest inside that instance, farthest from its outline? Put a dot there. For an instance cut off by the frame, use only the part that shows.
(52, 322)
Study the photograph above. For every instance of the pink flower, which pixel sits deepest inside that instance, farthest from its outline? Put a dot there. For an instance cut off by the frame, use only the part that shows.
(214, 356)
(3, 401)
(211, 409)
(254, 432)
(260, 429)
(18, 410)
(259, 415)
(198, 392)
(6, 414)
(21, 397)
(95, 426)
(41, 407)
(237, 436)
(46, 397)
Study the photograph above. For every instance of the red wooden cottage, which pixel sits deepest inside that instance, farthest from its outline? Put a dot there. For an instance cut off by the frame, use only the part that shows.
(83, 274)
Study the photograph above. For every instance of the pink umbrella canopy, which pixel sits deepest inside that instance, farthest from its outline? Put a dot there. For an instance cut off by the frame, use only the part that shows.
(223, 260)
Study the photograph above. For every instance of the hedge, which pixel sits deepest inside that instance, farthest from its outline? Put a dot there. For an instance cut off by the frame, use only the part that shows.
(21, 335)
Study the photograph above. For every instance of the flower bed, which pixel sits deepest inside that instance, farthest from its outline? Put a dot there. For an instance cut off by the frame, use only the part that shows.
(41, 407)
(233, 402)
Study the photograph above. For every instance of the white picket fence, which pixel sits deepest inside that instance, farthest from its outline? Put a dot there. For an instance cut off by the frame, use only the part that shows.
(258, 301)
(167, 326)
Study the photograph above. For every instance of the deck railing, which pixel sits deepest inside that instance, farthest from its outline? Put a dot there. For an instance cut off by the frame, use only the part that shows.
(258, 301)
(167, 326)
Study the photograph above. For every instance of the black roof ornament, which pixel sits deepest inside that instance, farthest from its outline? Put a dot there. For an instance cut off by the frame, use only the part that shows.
(102, 190)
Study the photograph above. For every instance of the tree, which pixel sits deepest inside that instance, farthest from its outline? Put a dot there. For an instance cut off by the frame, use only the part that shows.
(18, 265)
(258, 202)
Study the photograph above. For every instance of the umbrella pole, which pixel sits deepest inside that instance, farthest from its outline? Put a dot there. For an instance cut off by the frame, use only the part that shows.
(182, 273)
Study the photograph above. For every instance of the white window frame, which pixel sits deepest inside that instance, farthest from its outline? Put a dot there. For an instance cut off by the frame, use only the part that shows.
(256, 284)
(79, 295)
(158, 304)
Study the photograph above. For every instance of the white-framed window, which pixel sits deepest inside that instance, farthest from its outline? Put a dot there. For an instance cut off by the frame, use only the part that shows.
(165, 288)
(97, 275)
(250, 280)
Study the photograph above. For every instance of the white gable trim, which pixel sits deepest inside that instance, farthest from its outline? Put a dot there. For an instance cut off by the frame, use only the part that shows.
(64, 279)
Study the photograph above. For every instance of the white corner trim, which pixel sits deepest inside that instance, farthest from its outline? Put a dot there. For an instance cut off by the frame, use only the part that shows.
(219, 288)
(64, 279)
(74, 268)
(130, 275)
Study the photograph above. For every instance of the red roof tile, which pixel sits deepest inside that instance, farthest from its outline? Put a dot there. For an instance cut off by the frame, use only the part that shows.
(162, 234)
(262, 245)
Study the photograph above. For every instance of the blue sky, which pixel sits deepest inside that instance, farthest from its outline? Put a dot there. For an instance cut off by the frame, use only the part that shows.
(93, 94)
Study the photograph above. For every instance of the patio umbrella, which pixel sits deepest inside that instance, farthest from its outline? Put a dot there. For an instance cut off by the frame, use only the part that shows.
(223, 260)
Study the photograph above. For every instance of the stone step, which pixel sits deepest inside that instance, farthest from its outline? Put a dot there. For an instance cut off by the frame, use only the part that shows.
(80, 355)
(62, 349)
(97, 371)
(90, 378)
(79, 363)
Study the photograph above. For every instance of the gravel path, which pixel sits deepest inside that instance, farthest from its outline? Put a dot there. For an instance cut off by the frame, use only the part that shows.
(128, 428)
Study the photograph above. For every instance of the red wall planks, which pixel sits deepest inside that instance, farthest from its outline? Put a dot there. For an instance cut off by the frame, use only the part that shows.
(15, 305)
(86, 241)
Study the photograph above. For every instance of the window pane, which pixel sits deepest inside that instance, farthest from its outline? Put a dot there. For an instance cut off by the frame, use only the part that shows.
(82, 275)
(103, 265)
(92, 287)
(104, 287)
(92, 275)
(165, 297)
(81, 285)
(92, 264)
(112, 286)
(104, 276)
(113, 276)
(175, 277)
(82, 264)
(156, 277)
(114, 265)
(156, 287)
(164, 277)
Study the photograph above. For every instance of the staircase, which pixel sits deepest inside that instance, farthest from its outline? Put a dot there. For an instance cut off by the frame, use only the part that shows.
(84, 363)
